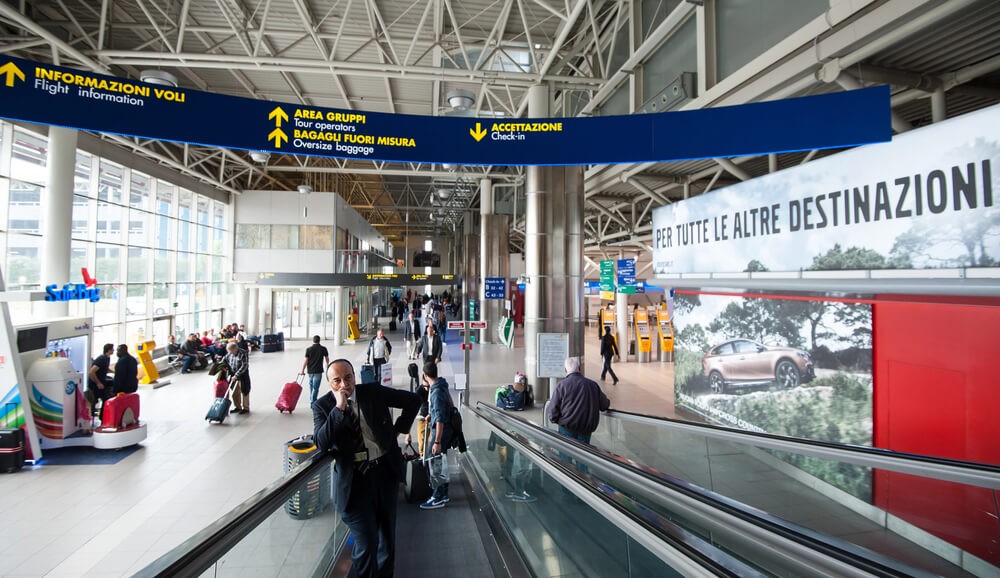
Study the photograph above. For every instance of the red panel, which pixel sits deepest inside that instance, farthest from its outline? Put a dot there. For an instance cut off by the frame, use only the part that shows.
(935, 372)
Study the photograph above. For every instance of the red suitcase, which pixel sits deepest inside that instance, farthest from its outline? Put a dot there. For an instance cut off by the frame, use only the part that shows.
(289, 397)
(221, 389)
(121, 411)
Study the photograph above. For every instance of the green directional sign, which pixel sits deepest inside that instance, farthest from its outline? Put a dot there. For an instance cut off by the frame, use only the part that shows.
(608, 279)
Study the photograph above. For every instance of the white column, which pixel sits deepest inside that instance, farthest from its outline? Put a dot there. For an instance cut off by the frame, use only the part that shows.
(534, 218)
(57, 208)
(253, 311)
(241, 306)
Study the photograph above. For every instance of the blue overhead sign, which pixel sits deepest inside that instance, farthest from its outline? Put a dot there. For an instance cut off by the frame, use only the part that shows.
(54, 95)
(496, 287)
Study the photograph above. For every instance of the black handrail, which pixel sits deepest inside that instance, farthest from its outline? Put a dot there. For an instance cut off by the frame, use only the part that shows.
(657, 484)
(205, 548)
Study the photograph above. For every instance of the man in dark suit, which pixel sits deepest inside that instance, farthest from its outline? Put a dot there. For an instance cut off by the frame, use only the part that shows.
(354, 424)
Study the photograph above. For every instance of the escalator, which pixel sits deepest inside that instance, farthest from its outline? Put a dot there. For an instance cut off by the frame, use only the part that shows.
(528, 502)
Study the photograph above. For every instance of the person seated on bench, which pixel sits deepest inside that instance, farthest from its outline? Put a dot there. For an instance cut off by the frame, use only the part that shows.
(191, 353)
(100, 385)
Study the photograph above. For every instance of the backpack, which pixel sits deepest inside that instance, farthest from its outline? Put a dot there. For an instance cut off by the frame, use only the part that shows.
(501, 396)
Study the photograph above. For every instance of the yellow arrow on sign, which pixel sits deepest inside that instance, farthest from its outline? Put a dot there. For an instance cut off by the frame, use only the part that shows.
(478, 133)
(277, 135)
(12, 71)
(278, 115)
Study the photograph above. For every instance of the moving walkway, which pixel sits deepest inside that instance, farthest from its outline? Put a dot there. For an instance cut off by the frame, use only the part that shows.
(528, 502)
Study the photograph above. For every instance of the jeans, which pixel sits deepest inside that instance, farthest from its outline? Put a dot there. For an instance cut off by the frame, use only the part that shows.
(372, 521)
(314, 380)
(188, 362)
(585, 438)
(607, 369)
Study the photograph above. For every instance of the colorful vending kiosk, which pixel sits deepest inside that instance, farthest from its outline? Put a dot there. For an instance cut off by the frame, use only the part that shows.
(56, 358)
(643, 337)
(666, 330)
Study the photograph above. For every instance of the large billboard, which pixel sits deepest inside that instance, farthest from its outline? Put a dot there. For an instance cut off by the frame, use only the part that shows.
(794, 367)
(926, 200)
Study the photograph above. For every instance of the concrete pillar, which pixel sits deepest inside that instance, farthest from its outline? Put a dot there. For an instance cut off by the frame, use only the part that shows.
(253, 311)
(241, 306)
(57, 209)
(494, 259)
(553, 255)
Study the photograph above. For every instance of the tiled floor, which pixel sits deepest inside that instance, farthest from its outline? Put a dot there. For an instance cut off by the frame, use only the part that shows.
(111, 520)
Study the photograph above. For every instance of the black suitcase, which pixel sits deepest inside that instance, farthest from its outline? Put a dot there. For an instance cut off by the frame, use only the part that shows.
(418, 484)
(220, 406)
(11, 442)
(392, 324)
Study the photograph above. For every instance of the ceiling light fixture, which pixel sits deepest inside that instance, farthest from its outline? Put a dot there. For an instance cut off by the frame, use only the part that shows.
(161, 77)
(260, 156)
(305, 189)
(461, 99)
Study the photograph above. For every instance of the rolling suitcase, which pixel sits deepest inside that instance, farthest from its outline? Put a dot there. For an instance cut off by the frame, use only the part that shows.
(121, 411)
(418, 484)
(392, 324)
(11, 441)
(220, 405)
(289, 396)
(368, 374)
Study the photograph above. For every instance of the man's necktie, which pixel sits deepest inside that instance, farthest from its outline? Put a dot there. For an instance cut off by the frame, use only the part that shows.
(354, 424)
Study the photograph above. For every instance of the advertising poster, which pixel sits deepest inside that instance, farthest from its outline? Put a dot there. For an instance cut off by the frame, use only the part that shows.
(792, 367)
(927, 200)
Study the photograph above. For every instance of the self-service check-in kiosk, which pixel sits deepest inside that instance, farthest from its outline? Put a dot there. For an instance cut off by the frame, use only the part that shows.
(608, 322)
(666, 331)
(643, 338)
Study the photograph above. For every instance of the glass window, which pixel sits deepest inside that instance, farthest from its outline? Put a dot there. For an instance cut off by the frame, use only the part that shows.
(202, 297)
(219, 215)
(162, 266)
(140, 191)
(218, 242)
(135, 302)
(135, 332)
(184, 241)
(27, 159)
(138, 265)
(106, 310)
(24, 268)
(109, 183)
(140, 228)
(163, 298)
(109, 222)
(184, 202)
(253, 236)
(78, 259)
(319, 237)
(204, 268)
(203, 204)
(164, 231)
(25, 194)
(284, 236)
(81, 226)
(108, 259)
(165, 198)
(183, 298)
(654, 12)
(185, 262)
(103, 334)
(204, 235)
(218, 268)
(84, 169)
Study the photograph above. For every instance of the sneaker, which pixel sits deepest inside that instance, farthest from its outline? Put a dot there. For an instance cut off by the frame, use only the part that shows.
(523, 497)
(446, 499)
(432, 504)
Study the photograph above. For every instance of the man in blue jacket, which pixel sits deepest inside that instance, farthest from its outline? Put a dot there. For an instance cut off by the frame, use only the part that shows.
(438, 436)
(354, 424)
